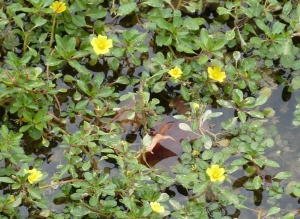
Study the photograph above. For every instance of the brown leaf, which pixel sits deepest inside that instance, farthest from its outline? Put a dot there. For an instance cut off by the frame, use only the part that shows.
(165, 128)
(155, 140)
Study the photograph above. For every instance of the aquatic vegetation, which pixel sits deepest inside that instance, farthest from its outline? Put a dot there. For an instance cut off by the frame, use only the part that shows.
(149, 109)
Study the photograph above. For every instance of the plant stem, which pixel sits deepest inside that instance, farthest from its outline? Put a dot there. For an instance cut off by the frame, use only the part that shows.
(25, 42)
(52, 31)
(62, 182)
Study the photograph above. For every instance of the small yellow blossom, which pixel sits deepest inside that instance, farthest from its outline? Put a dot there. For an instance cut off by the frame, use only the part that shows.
(101, 45)
(34, 175)
(216, 73)
(193, 167)
(12, 199)
(216, 173)
(195, 153)
(156, 207)
(58, 7)
(175, 72)
(196, 105)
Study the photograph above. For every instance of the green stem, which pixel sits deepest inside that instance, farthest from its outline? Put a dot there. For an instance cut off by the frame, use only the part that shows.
(25, 42)
(178, 5)
(62, 182)
(52, 31)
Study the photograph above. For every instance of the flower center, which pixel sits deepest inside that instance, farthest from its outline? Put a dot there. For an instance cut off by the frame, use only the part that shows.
(215, 175)
(101, 46)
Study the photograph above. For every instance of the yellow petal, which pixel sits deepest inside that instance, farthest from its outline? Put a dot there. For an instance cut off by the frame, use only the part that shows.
(209, 171)
(210, 70)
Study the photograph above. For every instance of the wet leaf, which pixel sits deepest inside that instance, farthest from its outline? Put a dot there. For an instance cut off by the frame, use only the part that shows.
(126, 8)
(273, 210)
(185, 127)
(156, 139)
(200, 187)
(283, 175)
(265, 91)
(165, 128)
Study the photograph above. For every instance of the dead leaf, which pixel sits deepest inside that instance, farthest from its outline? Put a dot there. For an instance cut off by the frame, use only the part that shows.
(165, 128)
(155, 140)
(223, 142)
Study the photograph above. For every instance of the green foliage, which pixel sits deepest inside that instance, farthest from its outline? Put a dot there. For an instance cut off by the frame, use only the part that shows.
(55, 89)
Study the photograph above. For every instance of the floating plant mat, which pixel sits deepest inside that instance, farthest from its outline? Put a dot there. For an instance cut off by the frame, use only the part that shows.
(149, 109)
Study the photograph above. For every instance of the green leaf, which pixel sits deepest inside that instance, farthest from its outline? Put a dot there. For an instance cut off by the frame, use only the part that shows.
(257, 182)
(260, 100)
(237, 96)
(239, 162)
(154, 3)
(268, 112)
(38, 20)
(185, 93)
(296, 82)
(81, 104)
(201, 187)
(7, 180)
(122, 80)
(231, 197)
(242, 116)
(273, 210)
(93, 201)
(110, 140)
(185, 127)
(159, 86)
(229, 123)
(79, 211)
(207, 142)
(126, 8)
(207, 154)
(224, 103)
(34, 192)
(222, 11)
(271, 163)
(53, 61)
(80, 68)
(283, 175)
(84, 87)
(289, 215)
(97, 13)
(287, 60)
(278, 27)
(229, 35)
(78, 20)
(256, 114)
(287, 8)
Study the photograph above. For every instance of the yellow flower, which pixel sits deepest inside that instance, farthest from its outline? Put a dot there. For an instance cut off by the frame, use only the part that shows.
(58, 7)
(216, 74)
(34, 175)
(175, 72)
(195, 153)
(12, 199)
(101, 45)
(196, 105)
(216, 173)
(156, 207)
